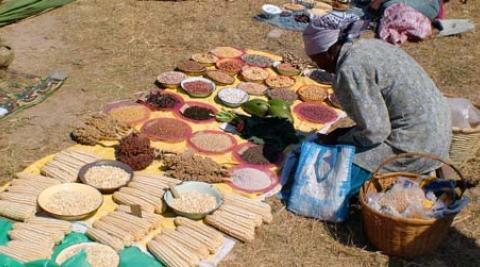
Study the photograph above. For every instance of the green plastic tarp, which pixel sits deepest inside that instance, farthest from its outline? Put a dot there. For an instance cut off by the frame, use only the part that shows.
(129, 257)
(12, 11)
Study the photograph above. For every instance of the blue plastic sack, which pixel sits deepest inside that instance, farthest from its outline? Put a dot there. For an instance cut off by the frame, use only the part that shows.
(323, 182)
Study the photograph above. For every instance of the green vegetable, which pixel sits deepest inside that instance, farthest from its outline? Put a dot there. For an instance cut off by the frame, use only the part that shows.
(256, 107)
(280, 108)
(225, 116)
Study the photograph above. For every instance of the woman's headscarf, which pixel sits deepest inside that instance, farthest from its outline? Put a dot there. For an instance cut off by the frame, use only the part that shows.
(325, 31)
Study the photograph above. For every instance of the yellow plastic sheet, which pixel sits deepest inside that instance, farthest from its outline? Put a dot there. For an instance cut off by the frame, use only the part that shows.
(106, 151)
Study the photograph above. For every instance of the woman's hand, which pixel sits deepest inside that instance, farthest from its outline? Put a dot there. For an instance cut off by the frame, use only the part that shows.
(331, 138)
(375, 4)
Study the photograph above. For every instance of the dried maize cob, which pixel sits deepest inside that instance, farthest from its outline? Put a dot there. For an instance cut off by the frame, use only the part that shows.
(21, 255)
(30, 247)
(56, 235)
(23, 189)
(166, 255)
(157, 202)
(197, 247)
(147, 189)
(211, 244)
(239, 221)
(160, 178)
(140, 222)
(36, 178)
(135, 231)
(126, 238)
(15, 211)
(254, 206)
(31, 184)
(105, 238)
(155, 220)
(151, 183)
(29, 236)
(25, 199)
(64, 226)
(240, 212)
(181, 251)
(231, 228)
(201, 228)
(127, 199)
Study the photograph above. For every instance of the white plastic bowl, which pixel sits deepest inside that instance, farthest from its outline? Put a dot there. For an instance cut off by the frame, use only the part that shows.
(194, 79)
(271, 11)
(221, 96)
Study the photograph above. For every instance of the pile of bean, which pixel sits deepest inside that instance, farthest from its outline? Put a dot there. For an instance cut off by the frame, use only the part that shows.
(302, 18)
(260, 155)
(232, 65)
(198, 113)
(198, 87)
(190, 66)
(166, 129)
(283, 94)
(257, 60)
(212, 142)
(317, 113)
(161, 100)
(253, 88)
(171, 77)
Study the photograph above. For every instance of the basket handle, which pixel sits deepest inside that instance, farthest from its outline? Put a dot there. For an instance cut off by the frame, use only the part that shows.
(375, 174)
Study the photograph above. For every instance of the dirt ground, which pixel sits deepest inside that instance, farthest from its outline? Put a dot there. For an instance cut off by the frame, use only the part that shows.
(113, 48)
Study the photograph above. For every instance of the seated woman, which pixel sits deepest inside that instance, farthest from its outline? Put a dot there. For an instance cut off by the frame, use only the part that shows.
(395, 104)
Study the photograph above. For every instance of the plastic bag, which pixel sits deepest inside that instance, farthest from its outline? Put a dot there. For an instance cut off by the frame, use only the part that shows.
(133, 256)
(322, 182)
(464, 114)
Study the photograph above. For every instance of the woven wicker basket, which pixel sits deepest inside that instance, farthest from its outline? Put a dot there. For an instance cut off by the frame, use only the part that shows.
(398, 236)
(465, 143)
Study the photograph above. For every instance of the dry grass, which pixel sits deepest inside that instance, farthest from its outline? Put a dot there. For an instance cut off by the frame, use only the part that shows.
(113, 48)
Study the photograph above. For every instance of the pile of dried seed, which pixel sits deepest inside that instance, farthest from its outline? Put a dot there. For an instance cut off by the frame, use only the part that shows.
(214, 142)
(161, 100)
(99, 127)
(166, 129)
(135, 151)
(255, 89)
(259, 155)
(129, 113)
(316, 113)
(283, 94)
(231, 65)
(198, 87)
(257, 60)
(190, 167)
(190, 66)
(171, 77)
(198, 113)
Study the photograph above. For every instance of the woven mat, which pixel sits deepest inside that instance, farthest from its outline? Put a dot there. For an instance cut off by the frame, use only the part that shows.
(19, 91)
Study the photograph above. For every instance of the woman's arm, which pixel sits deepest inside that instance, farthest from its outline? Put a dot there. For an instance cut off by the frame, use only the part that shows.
(362, 100)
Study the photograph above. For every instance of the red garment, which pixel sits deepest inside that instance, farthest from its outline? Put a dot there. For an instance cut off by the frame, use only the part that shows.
(401, 23)
(441, 12)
